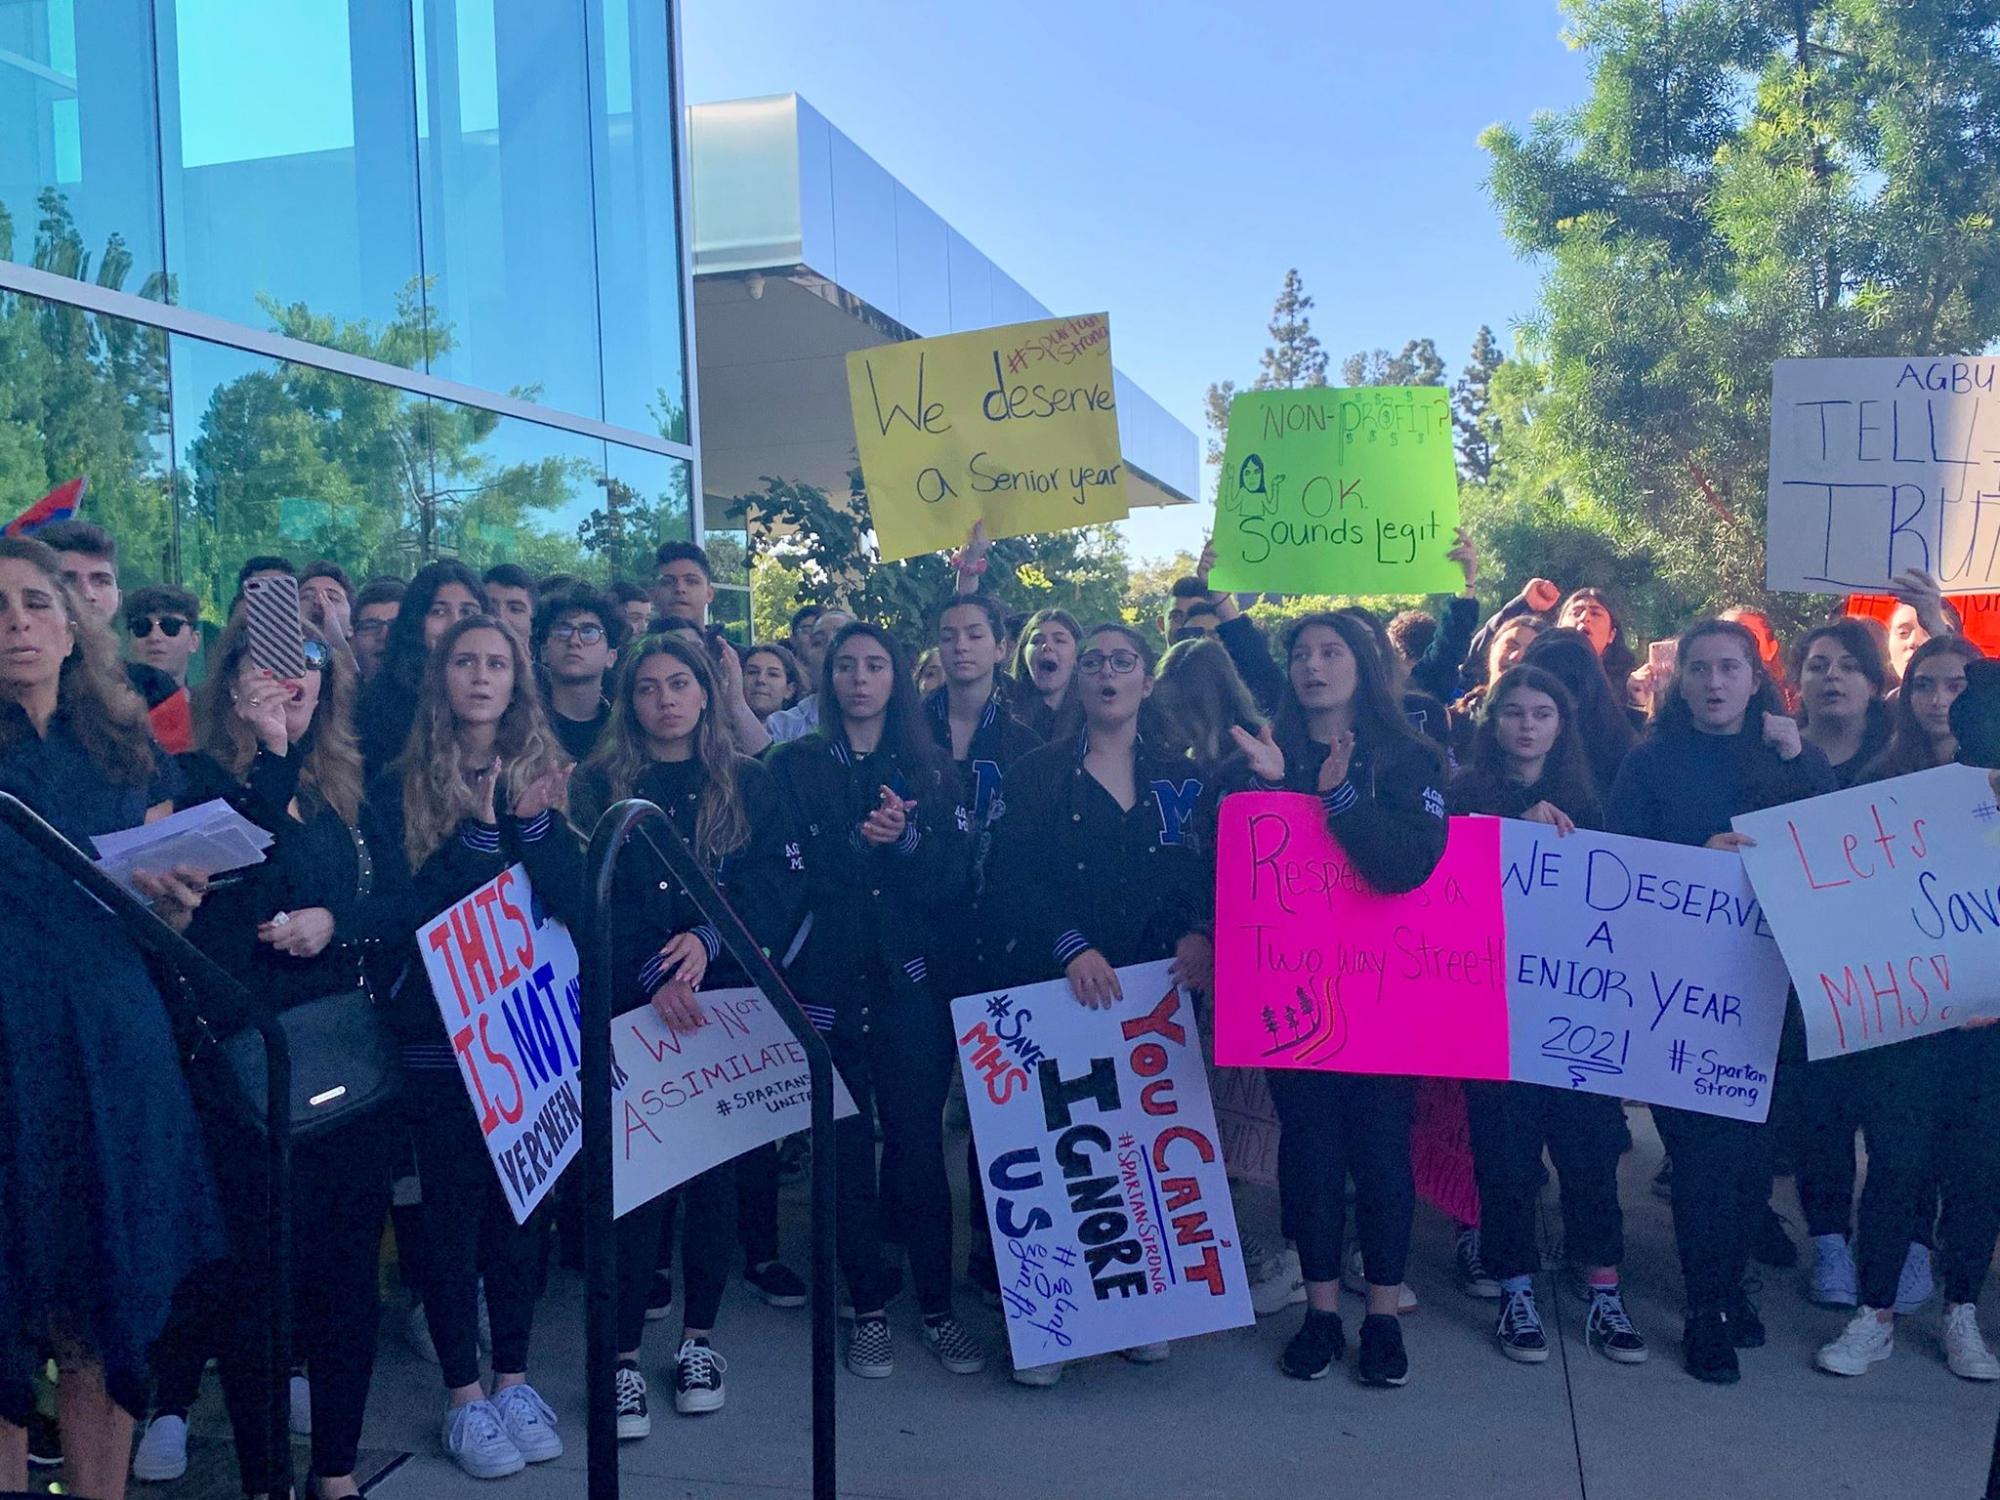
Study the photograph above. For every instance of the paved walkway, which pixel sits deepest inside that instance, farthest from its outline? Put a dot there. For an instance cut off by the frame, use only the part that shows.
(1218, 1420)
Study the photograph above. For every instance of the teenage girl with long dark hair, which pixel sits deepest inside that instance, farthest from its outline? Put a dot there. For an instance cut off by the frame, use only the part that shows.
(887, 843)
(441, 594)
(1341, 735)
(1100, 858)
(665, 743)
(1045, 670)
(1718, 747)
(1928, 1109)
(1530, 761)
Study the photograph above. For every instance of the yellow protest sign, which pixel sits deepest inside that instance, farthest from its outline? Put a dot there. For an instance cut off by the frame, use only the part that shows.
(1016, 426)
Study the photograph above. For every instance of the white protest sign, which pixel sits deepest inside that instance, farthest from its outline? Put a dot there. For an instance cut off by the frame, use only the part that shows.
(1639, 969)
(1248, 1121)
(1104, 1177)
(504, 974)
(688, 1101)
(1878, 465)
(1886, 902)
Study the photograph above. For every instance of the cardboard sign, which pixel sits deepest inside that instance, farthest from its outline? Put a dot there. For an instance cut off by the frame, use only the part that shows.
(1330, 491)
(1886, 903)
(1248, 1121)
(690, 1101)
(504, 974)
(1104, 1177)
(1641, 970)
(1016, 426)
(1878, 465)
(1316, 969)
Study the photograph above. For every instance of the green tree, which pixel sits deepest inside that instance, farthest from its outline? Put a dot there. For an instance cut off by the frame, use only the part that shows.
(1747, 181)
(1472, 409)
(1294, 357)
(1418, 363)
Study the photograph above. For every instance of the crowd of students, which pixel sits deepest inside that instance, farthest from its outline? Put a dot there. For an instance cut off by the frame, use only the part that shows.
(1035, 799)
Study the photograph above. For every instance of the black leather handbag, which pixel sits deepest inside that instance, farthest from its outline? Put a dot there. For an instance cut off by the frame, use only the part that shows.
(344, 1063)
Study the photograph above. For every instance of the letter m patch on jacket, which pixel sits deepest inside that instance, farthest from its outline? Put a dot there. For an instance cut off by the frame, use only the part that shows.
(1176, 801)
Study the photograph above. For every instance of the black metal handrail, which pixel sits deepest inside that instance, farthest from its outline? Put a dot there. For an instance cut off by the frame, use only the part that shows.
(613, 833)
(153, 936)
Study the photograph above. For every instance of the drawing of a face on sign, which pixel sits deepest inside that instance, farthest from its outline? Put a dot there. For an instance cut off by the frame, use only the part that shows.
(1250, 478)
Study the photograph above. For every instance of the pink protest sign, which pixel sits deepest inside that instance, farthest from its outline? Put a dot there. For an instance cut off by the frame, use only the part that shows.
(1315, 969)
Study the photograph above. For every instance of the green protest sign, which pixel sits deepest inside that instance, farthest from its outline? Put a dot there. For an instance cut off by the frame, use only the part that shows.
(1329, 491)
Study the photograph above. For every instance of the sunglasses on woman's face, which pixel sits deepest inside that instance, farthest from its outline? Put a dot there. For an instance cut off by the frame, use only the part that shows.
(170, 626)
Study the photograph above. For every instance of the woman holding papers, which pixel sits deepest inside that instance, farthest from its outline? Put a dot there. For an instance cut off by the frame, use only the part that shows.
(283, 754)
(1341, 735)
(1929, 1108)
(105, 1199)
(1101, 856)
(1530, 761)
(662, 743)
(480, 787)
(1718, 747)
(887, 846)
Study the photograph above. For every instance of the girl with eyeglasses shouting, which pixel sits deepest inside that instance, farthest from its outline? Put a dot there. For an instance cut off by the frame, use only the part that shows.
(1101, 857)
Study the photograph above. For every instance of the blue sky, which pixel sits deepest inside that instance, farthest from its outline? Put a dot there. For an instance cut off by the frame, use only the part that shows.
(1168, 161)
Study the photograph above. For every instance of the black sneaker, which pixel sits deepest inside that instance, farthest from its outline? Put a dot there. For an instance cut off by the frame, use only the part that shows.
(1383, 1361)
(698, 1372)
(1610, 1328)
(1519, 1330)
(1473, 1277)
(1315, 1348)
(44, 1442)
(660, 1300)
(777, 1283)
(870, 1353)
(1774, 1247)
(634, 1419)
(1707, 1349)
(1746, 1329)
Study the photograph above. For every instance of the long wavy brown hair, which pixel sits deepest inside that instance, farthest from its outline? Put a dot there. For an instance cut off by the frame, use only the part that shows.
(93, 694)
(721, 826)
(437, 796)
(331, 774)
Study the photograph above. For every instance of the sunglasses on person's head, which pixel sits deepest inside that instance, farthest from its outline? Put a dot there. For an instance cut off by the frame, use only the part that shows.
(170, 626)
(1117, 663)
(587, 632)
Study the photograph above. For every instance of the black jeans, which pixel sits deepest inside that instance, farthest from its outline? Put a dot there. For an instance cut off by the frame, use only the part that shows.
(1931, 1111)
(468, 1231)
(1331, 1125)
(1722, 1184)
(756, 1200)
(1511, 1123)
(899, 1068)
(1830, 1093)
(340, 1192)
(708, 1241)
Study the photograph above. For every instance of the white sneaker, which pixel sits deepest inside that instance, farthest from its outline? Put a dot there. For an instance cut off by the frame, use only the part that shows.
(530, 1422)
(1915, 1284)
(1280, 1286)
(1833, 1281)
(477, 1441)
(301, 1419)
(1147, 1354)
(1040, 1377)
(163, 1452)
(1867, 1340)
(1965, 1352)
(1355, 1279)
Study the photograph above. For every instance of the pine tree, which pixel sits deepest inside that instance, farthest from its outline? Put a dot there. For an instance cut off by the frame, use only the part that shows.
(1294, 357)
(1418, 364)
(1472, 409)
